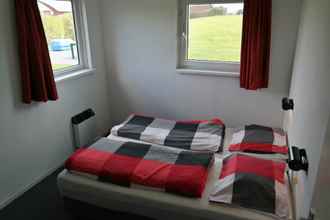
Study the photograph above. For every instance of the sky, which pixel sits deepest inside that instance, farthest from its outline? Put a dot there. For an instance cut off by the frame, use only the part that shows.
(231, 8)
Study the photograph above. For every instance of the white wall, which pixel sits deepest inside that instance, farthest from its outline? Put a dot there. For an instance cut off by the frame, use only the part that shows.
(140, 42)
(307, 125)
(36, 138)
(321, 199)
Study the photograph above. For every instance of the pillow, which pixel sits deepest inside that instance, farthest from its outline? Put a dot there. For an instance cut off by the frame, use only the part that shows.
(253, 183)
(259, 139)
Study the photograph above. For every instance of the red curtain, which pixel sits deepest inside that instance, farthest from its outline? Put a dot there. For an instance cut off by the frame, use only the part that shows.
(256, 43)
(37, 76)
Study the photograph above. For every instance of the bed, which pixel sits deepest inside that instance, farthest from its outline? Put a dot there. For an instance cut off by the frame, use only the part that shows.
(152, 203)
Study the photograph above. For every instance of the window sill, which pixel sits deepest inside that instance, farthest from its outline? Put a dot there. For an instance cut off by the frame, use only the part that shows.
(208, 73)
(74, 75)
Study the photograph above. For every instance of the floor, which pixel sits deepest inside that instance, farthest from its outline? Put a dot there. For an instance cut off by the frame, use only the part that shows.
(43, 202)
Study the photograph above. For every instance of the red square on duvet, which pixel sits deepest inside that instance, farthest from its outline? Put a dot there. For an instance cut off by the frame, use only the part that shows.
(151, 173)
(120, 168)
(88, 161)
(187, 180)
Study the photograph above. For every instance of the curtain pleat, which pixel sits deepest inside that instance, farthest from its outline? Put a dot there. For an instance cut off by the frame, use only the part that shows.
(37, 76)
(256, 44)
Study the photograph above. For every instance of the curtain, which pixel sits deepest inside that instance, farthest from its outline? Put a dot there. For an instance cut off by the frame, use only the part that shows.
(37, 76)
(256, 43)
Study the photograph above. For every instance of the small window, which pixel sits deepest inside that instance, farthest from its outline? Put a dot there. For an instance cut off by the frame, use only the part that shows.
(62, 21)
(210, 34)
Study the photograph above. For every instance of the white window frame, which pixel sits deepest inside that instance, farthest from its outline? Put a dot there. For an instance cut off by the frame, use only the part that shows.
(83, 45)
(200, 67)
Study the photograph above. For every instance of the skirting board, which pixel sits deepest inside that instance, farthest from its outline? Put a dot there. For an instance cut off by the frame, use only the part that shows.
(26, 188)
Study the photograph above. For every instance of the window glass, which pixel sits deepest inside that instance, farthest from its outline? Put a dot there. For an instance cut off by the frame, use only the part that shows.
(59, 25)
(214, 32)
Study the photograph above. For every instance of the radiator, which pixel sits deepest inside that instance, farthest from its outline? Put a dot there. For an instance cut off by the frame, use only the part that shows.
(84, 128)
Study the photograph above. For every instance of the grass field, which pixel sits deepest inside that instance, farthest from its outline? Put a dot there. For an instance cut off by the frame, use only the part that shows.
(216, 38)
(60, 66)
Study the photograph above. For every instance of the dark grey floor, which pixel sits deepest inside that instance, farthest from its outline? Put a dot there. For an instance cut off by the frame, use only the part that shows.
(43, 202)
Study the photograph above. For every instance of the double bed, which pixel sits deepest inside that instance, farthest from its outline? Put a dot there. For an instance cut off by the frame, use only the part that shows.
(154, 203)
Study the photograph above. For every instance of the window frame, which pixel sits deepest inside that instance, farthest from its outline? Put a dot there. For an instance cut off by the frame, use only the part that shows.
(83, 44)
(223, 68)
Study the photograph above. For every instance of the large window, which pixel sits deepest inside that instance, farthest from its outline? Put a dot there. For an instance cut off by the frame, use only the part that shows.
(210, 34)
(64, 28)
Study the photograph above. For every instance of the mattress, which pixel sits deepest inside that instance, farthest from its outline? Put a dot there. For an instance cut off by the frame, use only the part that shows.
(153, 203)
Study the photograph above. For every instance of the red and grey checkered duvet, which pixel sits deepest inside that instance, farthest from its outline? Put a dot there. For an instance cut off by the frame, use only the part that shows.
(124, 163)
(205, 135)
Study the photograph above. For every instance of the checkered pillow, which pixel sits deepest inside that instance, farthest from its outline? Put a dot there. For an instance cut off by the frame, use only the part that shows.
(253, 183)
(259, 139)
(189, 135)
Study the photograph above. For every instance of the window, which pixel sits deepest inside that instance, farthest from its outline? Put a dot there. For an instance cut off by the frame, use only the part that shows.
(66, 35)
(210, 34)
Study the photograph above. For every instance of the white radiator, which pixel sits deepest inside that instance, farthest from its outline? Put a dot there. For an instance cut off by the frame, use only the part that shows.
(84, 129)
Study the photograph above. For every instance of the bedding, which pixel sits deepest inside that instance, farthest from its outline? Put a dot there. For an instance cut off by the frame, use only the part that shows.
(153, 202)
(253, 183)
(125, 163)
(260, 140)
(205, 135)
